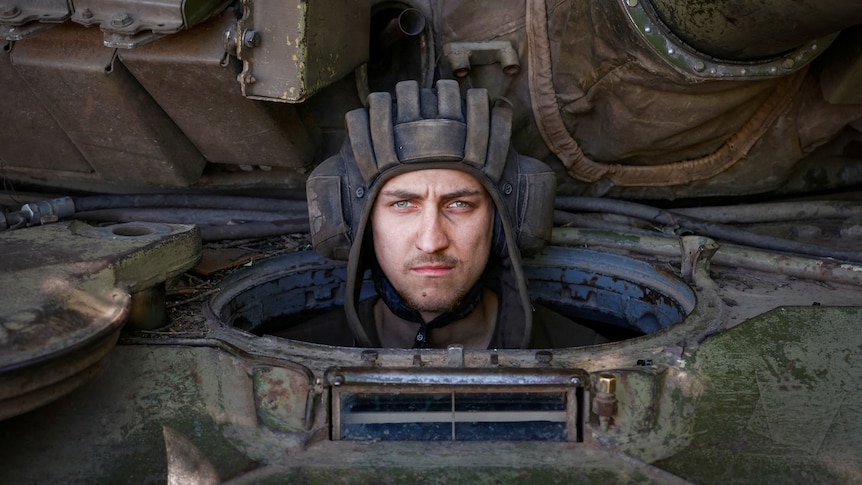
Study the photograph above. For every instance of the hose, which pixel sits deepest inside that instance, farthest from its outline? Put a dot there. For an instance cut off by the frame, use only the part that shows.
(191, 201)
(727, 255)
(188, 216)
(699, 226)
(774, 211)
(219, 216)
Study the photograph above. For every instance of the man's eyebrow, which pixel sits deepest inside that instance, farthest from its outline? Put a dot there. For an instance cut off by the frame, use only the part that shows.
(408, 194)
(400, 194)
(468, 192)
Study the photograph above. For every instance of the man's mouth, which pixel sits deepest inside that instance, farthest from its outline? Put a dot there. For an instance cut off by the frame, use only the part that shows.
(432, 265)
(432, 269)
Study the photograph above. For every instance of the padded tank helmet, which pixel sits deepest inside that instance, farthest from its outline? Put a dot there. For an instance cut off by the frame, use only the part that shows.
(426, 129)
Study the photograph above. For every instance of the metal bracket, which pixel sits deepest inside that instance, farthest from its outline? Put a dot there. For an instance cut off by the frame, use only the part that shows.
(463, 56)
(290, 50)
(51, 11)
(128, 24)
(68, 289)
(31, 17)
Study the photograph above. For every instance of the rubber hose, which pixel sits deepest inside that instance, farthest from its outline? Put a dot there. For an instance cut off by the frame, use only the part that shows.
(774, 211)
(188, 216)
(716, 231)
(727, 255)
(198, 201)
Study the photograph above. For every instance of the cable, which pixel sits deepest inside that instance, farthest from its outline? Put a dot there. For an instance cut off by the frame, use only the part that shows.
(698, 226)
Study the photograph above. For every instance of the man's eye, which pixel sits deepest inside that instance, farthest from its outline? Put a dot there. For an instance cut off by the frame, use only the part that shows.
(401, 204)
(460, 204)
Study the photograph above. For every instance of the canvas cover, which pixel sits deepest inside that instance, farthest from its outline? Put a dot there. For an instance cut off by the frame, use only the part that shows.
(619, 120)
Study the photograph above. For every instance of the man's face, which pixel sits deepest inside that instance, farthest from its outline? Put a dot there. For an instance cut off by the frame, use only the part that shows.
(432, 236)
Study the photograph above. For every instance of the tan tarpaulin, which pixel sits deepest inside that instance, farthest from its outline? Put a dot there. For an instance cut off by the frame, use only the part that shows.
(615, 113)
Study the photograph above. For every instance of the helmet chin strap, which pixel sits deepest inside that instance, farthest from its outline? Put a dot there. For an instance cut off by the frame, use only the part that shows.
(399, 307)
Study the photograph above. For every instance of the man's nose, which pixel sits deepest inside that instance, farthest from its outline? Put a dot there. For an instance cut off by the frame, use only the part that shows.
(432, 236)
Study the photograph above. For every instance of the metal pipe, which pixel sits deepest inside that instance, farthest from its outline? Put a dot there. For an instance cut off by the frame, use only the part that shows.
(409, 23)
(774, 211)
(701, 227)
(727, 255)
(747, 30)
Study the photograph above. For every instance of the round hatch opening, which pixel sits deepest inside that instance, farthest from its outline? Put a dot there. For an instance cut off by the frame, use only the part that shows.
(620, 297)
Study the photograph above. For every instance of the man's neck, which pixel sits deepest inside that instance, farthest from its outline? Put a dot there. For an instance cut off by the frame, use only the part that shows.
(473, 331)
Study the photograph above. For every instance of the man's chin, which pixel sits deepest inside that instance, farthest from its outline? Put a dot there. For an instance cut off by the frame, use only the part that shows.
(431, 304)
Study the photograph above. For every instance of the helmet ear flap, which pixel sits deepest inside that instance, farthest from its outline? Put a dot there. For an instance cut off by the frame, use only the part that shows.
(330, 222)
(527, 191)
(499, 247)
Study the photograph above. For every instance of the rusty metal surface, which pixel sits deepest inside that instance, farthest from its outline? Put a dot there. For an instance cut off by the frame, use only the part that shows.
(205, 396)
(192, 77)
(292, 50)
(238, 400)
(21, 12)
(66, 290)
(38, 143)
(130, 23)
(779, 401)
(453, 376)
(120, 130)
(281, 398)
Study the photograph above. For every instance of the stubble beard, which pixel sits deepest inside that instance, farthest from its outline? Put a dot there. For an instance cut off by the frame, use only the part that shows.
(420, 301)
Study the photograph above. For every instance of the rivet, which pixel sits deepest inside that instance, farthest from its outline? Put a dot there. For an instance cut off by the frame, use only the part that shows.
(632, 3)
(647, 29)
(699, 66)
(337, 380)
(121, 20)
(788, 63)
(10, 12)
(671, 51)
(360, 192)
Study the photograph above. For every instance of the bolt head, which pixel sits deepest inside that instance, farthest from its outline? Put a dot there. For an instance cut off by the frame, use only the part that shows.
(121, 20)
(251, 38)
(607, 383)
